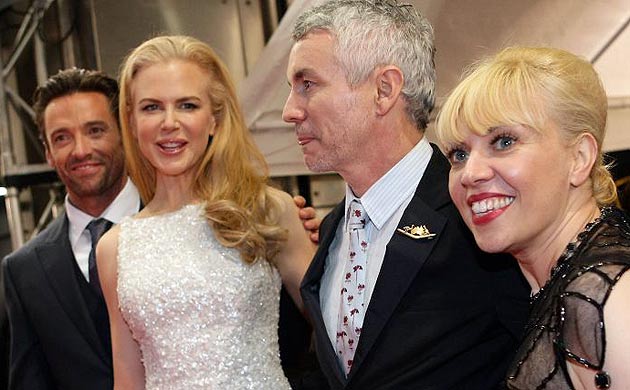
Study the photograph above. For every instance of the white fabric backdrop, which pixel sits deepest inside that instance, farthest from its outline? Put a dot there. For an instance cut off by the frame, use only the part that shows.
(465, 31)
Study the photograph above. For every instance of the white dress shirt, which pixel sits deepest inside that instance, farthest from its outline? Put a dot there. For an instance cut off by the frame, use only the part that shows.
(385, 201)
(126, 203)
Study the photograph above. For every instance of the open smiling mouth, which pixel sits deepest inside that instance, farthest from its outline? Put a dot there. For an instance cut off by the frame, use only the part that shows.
(490, 204)
(171, 146)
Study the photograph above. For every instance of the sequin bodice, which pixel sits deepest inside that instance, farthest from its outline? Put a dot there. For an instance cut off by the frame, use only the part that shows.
(567, 316)
(203, 318)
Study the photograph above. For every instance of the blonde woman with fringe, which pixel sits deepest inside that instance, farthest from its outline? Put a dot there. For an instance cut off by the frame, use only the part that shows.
(192, 282)
(524, 132)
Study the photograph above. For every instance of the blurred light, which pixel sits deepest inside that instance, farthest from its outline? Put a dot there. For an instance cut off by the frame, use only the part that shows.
(3, 191)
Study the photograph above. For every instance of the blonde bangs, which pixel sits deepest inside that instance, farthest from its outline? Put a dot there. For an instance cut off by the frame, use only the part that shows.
(542, 88)
(498, 92)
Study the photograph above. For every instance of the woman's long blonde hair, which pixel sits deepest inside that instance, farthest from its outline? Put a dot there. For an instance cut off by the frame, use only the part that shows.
(232, 175)
(530, 86)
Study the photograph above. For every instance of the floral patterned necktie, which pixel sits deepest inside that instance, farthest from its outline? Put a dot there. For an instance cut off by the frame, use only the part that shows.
(352, 308)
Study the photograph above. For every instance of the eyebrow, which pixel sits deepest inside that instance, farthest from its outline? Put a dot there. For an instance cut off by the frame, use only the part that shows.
(180, 99)
(493, 129)
(302, 73)
(92, 123)
(82, 125)
(497, 128)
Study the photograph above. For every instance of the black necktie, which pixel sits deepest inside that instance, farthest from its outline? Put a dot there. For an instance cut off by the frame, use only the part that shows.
(97, 227)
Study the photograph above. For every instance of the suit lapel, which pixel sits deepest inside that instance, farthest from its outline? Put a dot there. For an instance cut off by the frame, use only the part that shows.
(310, 293)
(405, 256)
(57, 261)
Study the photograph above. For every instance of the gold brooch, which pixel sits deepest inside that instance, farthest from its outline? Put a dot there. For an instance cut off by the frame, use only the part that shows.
(416, 232)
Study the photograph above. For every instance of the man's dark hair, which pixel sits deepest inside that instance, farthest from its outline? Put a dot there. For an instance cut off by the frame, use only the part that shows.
(69, 81)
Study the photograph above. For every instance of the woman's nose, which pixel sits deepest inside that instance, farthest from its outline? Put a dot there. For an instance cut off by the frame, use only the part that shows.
(170, 121)
(476, 169)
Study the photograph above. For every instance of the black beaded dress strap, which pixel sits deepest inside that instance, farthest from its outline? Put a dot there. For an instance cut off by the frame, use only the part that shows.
(567, 315)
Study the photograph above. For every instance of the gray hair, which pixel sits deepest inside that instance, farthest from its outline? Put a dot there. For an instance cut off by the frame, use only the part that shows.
(373, 33)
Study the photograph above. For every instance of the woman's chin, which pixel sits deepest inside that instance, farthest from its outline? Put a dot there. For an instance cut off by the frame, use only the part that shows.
(490, 244)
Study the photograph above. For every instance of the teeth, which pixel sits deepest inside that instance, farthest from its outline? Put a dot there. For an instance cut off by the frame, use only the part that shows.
(171, 145)
(491, 204)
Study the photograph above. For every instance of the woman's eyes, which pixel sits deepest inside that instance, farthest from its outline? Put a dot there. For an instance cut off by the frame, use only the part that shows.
(457, 155)
(187, 106)
(503, 142)
(149, 107)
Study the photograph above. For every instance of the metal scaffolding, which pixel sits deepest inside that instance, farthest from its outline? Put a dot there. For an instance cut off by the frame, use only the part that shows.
(16, 176)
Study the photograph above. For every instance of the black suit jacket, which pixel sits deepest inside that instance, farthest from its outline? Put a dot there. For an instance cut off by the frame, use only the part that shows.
(443, 315)
(54, 342)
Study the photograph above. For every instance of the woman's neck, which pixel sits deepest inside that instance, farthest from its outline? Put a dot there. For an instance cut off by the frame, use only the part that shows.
(171, 194)
(537, 261)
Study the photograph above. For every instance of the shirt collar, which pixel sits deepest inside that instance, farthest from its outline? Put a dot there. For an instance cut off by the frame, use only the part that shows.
(127, 202)
(386, 195)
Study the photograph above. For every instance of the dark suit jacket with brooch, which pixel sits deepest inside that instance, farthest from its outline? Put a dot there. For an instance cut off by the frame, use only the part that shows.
(443, 315)
(59, 326)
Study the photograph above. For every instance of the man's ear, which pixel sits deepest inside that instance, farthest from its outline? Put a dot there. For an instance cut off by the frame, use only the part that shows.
(49, 158)
(585, 156)
(389, 82)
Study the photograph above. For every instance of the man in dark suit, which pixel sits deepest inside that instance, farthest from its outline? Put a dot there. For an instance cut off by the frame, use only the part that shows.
(415, 305)
(59, 325)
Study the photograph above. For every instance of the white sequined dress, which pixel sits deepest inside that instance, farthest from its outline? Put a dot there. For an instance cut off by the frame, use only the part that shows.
(203, 318)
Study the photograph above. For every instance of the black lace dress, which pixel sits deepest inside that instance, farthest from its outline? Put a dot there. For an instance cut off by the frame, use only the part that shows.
(567, 315)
